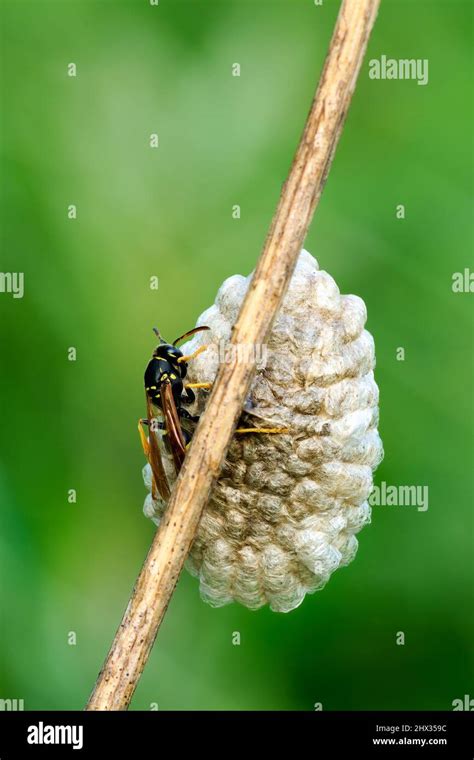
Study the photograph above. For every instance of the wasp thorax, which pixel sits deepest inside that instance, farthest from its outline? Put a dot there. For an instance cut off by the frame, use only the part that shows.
(285, 510)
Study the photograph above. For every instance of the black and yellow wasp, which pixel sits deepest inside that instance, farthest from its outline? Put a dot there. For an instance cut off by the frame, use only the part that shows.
(167, 392)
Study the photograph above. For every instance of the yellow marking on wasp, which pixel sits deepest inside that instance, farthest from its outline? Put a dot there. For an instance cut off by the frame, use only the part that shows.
(173, 377)
(144, 440)
(164, 376)
(191, 356)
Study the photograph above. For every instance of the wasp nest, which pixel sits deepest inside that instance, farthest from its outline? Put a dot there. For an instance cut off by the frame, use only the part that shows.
(285, 510)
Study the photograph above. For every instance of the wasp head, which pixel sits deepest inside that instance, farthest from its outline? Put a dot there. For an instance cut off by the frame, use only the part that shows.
(165, 350)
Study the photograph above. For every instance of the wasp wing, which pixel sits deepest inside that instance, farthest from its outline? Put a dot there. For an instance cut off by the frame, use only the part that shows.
(174, 432)
(160, 481)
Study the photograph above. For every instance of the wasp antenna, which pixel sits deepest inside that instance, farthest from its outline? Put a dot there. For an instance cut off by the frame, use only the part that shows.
(157, 332)
(189, 333)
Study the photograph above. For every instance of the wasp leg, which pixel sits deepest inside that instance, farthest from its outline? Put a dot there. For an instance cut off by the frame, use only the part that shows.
(185, 415)
(143, 438)
(262, 430)
(146, 450)
(192, 356)
(189, 396)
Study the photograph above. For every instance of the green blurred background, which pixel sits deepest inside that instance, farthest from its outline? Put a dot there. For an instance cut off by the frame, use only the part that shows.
(141, 212)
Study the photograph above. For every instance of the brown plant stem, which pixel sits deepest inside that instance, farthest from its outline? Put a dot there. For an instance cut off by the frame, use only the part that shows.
(300, 195)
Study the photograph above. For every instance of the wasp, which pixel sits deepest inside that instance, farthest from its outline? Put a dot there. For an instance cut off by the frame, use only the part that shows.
(166, 390)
